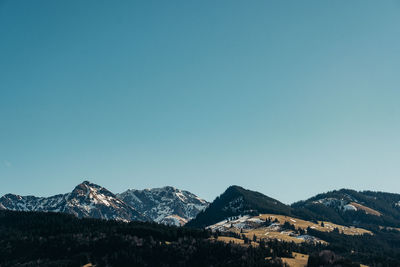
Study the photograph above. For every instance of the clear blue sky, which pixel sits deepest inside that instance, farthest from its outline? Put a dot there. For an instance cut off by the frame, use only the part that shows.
(289, 98)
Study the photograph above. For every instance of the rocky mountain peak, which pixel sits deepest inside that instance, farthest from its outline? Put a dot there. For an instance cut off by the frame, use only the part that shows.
(159, 203)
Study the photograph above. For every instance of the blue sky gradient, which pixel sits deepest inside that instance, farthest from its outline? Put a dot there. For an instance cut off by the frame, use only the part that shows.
(288, 98)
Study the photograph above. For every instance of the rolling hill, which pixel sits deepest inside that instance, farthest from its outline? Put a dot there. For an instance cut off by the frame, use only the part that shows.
(238, 201)
(351, 207)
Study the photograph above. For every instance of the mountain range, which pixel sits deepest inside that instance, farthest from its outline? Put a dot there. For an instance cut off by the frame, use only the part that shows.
(167, 205)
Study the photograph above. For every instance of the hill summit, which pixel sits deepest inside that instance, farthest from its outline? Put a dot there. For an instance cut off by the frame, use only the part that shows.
(238, 201)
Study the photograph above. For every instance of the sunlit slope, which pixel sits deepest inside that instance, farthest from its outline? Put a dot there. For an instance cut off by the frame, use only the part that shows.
(281, 227)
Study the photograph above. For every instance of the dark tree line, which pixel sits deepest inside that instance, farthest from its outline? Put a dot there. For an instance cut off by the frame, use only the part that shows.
(50, 239)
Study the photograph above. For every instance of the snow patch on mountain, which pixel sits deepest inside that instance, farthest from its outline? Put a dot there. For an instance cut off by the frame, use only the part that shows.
(341, 204)
(332, 202)
(239, 222)
(349, 207)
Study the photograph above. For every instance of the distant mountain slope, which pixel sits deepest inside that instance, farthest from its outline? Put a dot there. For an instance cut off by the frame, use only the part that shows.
(86, 200)
(351, 207)
(238, 201)
(167, 205)
(159, 203)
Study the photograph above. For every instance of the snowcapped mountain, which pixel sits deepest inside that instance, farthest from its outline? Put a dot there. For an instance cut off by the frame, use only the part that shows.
(167, 205)
(86, 200)
(159, 204)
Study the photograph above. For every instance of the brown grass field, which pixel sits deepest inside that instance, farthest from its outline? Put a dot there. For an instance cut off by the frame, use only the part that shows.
(328, 226)
(366, 209)
(298, 260)
(228, 239)
(264, 232)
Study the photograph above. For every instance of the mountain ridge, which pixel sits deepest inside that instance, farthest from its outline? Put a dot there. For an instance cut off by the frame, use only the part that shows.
(170, 205)
(89, 200)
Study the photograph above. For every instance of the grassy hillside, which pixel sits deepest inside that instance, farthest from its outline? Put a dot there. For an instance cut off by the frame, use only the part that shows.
(373, 208)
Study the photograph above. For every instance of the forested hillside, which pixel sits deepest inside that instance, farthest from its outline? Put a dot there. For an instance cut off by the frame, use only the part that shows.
(54, 239)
